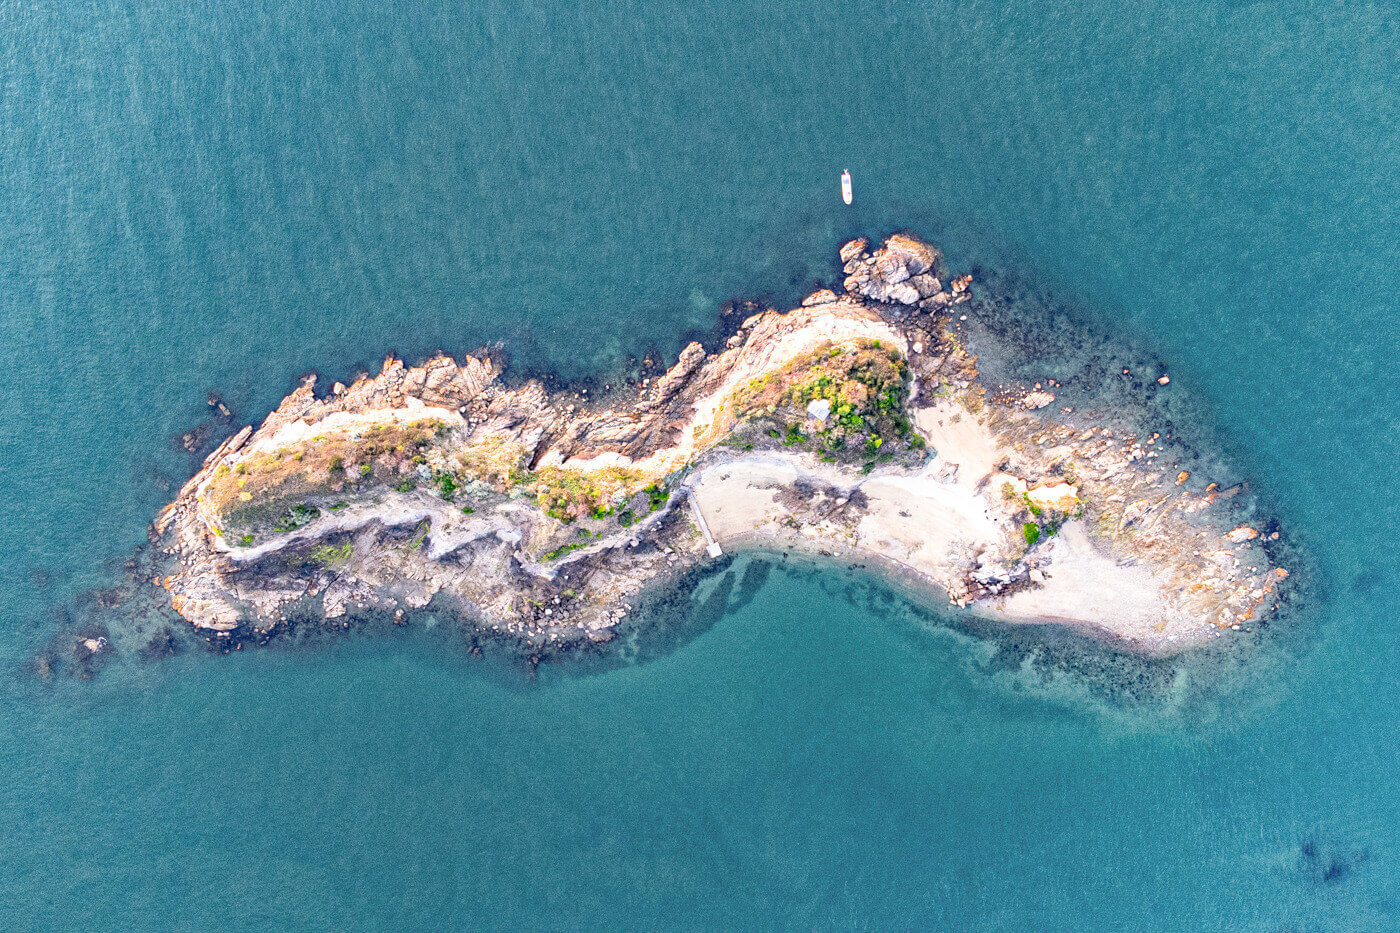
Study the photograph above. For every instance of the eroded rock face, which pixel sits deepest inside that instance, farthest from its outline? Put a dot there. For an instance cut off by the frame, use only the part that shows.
(853, 424)
(901, 271)
(1054, 496)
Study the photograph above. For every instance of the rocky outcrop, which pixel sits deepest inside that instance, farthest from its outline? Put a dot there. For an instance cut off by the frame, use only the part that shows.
(903, 271)
(854, 423)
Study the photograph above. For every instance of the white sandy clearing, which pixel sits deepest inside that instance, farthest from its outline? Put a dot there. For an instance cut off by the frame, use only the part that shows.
(937, 528)
(959, 437)
(1083, 586)
(741, 496)
(934, 527)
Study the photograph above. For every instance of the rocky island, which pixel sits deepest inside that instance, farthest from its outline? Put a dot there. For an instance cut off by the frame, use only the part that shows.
(856, 426)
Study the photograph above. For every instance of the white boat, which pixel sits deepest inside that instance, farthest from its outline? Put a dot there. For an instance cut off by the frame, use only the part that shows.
(846, 186)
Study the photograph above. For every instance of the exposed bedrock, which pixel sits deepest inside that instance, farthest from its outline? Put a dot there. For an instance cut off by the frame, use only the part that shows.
(853, 425)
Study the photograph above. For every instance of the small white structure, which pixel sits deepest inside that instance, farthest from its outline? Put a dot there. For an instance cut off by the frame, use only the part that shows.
(846, 194)
(819, 408)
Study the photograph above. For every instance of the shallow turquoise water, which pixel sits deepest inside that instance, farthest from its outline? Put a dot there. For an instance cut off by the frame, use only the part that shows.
(224, 199)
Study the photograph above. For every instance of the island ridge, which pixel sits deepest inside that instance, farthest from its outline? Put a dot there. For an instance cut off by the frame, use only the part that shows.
(855, 426)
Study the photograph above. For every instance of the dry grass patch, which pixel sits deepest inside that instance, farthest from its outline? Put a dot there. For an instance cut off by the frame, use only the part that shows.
(258, 492)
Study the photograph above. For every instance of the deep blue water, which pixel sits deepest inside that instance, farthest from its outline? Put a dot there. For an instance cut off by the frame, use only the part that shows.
(223, 197)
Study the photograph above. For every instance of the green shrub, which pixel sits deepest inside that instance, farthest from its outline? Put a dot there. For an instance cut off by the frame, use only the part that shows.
(296, 517)
(328, 556)
(561, 551)
(447, 485)
(656, 496)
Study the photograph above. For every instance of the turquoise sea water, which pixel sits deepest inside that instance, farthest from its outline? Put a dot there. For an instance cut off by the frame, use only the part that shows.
(222, 198)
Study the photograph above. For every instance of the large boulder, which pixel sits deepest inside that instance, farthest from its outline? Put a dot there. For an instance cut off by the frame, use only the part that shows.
(903, 271)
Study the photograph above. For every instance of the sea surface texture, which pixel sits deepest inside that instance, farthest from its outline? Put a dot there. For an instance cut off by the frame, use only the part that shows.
(222, 197)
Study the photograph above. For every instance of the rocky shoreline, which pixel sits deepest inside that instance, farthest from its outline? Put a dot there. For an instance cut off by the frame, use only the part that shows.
(855, 426)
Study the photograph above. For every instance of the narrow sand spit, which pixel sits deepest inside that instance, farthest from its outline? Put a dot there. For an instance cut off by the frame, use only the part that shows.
(937, 522)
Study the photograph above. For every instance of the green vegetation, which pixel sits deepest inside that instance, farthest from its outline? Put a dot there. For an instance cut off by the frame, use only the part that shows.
(262, 490)
(327, 556)
(869, 465)
(245, 540)
(1032, 533)
(567, 495)
(866, 384)
(447, 485)
(656, 496)
(626, 519)
(296, 517)
(564, 549)
(468, 510)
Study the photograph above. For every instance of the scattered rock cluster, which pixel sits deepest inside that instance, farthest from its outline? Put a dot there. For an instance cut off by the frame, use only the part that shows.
(903, 271)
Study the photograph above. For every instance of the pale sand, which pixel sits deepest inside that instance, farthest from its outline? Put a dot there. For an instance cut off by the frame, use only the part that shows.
(958, 438)
(936, 528)
(741, 496)
(932, 527)
(1084, 587)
